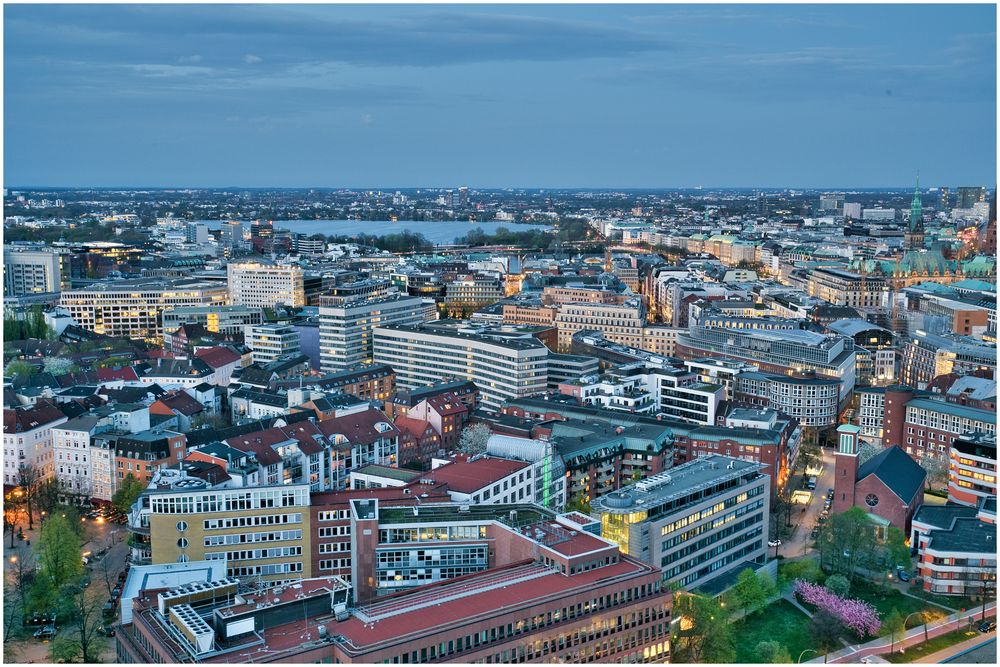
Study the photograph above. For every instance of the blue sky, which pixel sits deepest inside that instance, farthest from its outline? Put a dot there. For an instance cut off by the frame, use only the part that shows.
(499, 96)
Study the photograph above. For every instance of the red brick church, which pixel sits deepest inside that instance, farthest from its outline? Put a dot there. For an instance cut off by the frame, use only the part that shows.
(889, 485)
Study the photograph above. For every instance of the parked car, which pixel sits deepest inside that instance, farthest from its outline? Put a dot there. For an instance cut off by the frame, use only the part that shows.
(116, 591)
(47, 632)
(774, 543)
(904, 575)
(815, 533)
(987, 626)
(109, 608)
(106, 630)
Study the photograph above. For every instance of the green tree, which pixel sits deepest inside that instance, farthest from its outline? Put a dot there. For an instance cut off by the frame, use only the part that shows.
(751, 591)
(894, 626)
(847, 541)
(703, 632)
(838, 585)
(126, 495)
(21, 368)
(806, 568)
(772, 652)
(58, 551)
(578, 503)
(81, 639)
(112, 362)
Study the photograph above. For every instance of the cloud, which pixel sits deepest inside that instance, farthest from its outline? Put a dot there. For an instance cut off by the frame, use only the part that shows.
(367, 119)
(251, 59)
(189, 60)
(170, 70)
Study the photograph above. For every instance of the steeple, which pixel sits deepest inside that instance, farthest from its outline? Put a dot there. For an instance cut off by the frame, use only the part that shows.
(916, 214)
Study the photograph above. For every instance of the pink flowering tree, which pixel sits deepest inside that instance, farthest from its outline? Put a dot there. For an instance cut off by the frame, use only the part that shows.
(857, 615)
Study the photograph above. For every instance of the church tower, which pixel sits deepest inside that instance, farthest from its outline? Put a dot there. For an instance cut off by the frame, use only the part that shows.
(913, 237)
(845, 467)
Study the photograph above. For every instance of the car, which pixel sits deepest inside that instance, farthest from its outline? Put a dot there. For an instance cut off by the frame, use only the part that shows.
(774, 543)
(109, 608)
(904, 575)
(987, 626)
(106, 630)
(47, 632)
(814, 534)
(116, 591)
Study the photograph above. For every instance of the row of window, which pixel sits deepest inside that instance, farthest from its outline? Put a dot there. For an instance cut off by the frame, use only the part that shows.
(245, 538)
(254, 554)
(251, 521)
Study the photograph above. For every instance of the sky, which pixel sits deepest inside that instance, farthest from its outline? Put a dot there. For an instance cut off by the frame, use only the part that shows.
(492, 96)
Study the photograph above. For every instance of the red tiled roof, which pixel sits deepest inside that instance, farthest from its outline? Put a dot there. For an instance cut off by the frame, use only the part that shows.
(182, 402)
(447, 404)
(415, 427)
(217, 357)
(471, 476)
(261, 442)
(359, 428)
(126, 373)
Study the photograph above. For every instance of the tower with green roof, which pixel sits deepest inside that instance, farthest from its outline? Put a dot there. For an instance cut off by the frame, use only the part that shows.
(914, 235)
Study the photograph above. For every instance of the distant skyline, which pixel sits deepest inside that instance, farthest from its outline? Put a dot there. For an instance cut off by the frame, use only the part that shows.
(495, 96)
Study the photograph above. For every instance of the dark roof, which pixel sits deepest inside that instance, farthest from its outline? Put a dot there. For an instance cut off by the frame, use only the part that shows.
(897, 470)
(203, 436)
(967, 534)
(941, 516)
(20, 420)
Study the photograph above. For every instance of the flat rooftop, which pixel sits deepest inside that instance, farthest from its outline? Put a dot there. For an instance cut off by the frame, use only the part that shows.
(674, 484)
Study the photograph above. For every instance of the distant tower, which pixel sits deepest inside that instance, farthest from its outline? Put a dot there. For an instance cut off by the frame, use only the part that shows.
(913, 238)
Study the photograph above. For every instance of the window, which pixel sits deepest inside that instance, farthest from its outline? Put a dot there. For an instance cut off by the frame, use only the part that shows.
(182, 526)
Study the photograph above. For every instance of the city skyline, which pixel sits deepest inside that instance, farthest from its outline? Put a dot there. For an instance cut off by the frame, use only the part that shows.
(594, 97)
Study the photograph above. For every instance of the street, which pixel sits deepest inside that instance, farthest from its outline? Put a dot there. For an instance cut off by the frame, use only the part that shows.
(800, 541)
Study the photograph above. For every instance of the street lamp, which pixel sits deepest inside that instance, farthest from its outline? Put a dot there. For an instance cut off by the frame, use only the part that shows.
(803, 653)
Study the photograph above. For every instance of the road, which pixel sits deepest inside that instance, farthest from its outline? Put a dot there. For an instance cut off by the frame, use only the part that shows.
(981, 650)
(800, 541)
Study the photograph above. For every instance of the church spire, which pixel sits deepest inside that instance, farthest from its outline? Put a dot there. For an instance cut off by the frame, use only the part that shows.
(916, 212)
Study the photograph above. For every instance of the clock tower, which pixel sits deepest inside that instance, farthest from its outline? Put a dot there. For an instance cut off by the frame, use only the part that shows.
(845, 468)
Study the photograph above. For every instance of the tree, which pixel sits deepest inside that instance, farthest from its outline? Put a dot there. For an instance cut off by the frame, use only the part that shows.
(806, 569)
(847, 541)
(20, 368)
(895, 624)
(751, 591)
(59, 366)
(27, 480)
(59, 561)
(897, 554)
(578, 503)
(937, 472)
(473, 439)
(838, 585)
(81, 639)
(126, 495)
(825, 630)
(112, 362)
(703, 632)
(770, 651)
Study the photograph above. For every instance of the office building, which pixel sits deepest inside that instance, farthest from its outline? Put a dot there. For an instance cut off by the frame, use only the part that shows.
(346, 326)
(259, 285)
(536, 588)
(852, 210)
(621, 323)
(34, 270)
(967, 197)
(134, 308)
(694, 522)
(831, 203)
(927, 356)
(270, 342)
(217, 319)
(879, 214)
(845, 288)
(501, 368)
(470, 293)
(231, 238)
(972, 473)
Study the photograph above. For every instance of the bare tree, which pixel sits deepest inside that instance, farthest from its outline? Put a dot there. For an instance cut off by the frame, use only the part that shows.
(937, 471)
(28, 477)
(83, 612)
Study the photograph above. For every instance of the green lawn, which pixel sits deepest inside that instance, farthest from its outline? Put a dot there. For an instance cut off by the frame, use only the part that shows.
(885, 600)
(926, 648)
(780, 622)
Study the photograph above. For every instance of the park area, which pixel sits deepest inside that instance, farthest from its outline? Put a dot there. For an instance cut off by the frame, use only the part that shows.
(780, 621)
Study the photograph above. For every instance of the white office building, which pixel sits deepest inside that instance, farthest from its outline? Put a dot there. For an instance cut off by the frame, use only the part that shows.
(345, 326)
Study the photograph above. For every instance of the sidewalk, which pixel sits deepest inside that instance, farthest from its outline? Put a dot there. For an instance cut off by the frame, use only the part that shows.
(956, 621)
(940, 656)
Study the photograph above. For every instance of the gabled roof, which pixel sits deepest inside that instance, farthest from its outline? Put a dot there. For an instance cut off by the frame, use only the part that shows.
(217, 357)
(182, 402)
(20, 420)
(466, 476)
(415, 427)
(126, 373)
(896, 470)
(359, 428)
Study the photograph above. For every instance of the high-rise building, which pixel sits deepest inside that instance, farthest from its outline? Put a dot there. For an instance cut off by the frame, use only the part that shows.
(831, 203)
(231, 238)
(346, 326)
(852, 210)
(134, 308)
(34, 270)
(502, 368)
(197, 232)
(966, 196)
(217, 319)
(944, 197)
(262, 285)
(269, 342)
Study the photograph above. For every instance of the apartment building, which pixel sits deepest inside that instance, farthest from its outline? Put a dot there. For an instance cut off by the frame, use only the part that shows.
(134, 308)
(469, 293)
(270, 342)
(27, 440)
(71, 447)
(620, 323)
(34, 270)
(346, 327)
(927, 356)
(217, 319)
(972, 472)
(259, 285)
(501, 368)
(956, 548)
(846, 288)
(694, 522)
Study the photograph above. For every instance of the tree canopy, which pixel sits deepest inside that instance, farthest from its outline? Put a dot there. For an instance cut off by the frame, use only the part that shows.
(126, 495)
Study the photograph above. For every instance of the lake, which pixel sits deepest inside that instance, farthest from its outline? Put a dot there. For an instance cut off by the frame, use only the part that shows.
(438, 233)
